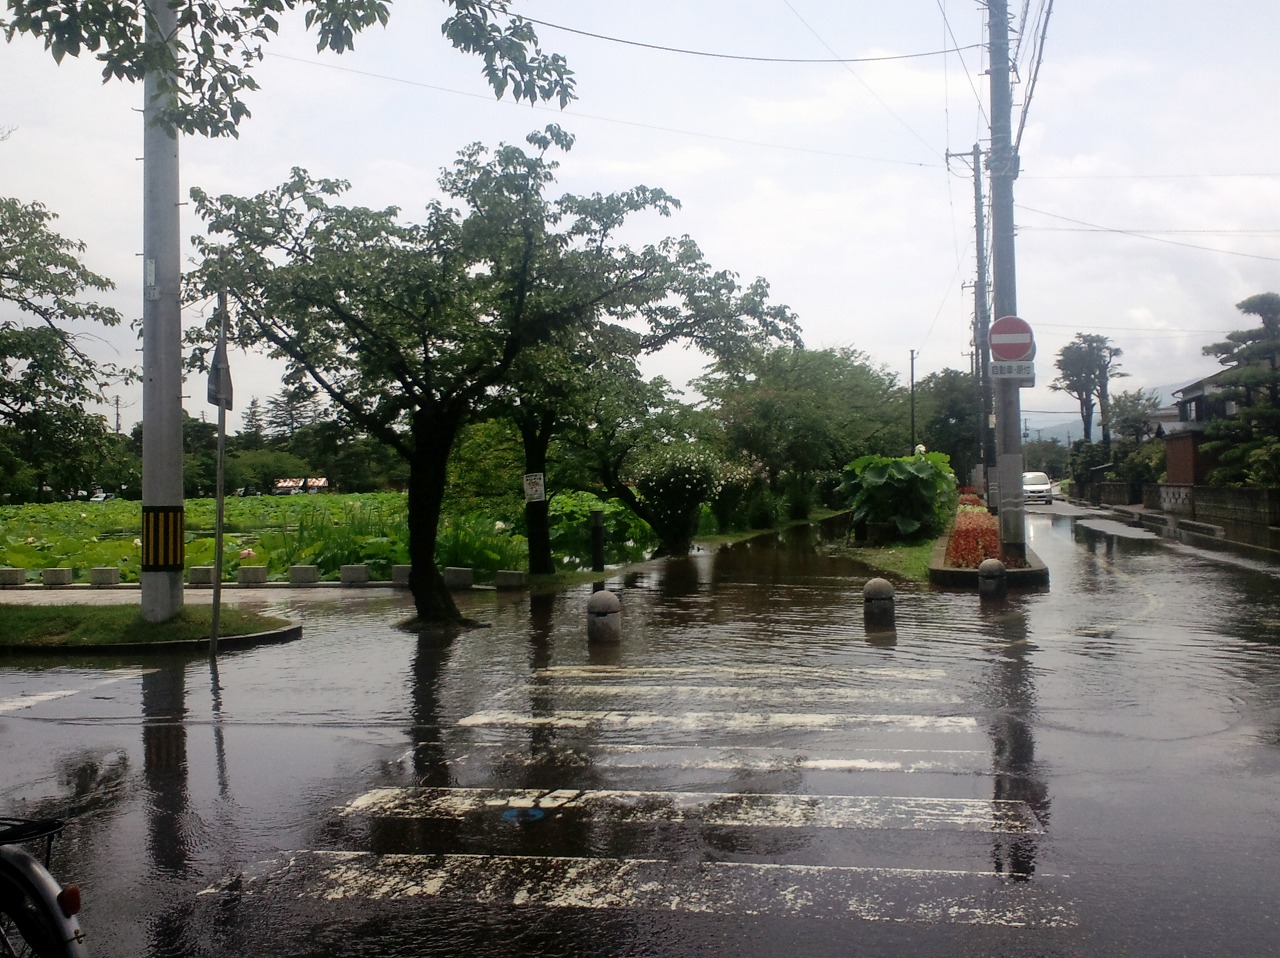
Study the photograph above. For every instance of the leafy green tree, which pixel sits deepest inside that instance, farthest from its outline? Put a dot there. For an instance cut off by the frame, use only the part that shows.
(288, 411)
(43, 280)
(1046, 455)
(949, 413)
(1252, 382)
(1086, 366)
(258, 469)
(252, 434)
(208, 62)
(673, 483)
(797, 412)
(441, 310)
(1133, 412)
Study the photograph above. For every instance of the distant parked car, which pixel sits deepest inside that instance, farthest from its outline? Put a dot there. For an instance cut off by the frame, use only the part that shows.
(102, 496)
(1036, 487)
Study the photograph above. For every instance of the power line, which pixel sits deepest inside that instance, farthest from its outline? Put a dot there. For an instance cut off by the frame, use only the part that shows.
(1153, 239)
(603, 119)
(742, 57)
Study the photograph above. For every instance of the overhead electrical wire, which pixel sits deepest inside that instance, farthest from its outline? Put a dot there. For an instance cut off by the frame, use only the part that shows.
(1154, 239)
(742, 57)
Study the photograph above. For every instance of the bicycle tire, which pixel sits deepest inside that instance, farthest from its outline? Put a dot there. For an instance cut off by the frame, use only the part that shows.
(31, 923)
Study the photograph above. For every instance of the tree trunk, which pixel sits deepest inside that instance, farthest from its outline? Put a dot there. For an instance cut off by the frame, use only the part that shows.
(536, 436)
(433, 438)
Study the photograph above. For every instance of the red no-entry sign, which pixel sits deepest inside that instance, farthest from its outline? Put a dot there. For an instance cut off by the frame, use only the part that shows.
(1011, 340)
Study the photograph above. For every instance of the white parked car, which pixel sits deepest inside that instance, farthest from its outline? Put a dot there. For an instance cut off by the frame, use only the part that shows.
(1036, 487)
(102, 496)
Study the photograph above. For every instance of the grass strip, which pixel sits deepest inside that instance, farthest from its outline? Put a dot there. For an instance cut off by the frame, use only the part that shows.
(84, 626)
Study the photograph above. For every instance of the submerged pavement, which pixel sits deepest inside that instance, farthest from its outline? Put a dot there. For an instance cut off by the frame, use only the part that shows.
(1089, 769)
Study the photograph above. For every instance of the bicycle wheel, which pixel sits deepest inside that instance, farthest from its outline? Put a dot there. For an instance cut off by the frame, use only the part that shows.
(31, 925)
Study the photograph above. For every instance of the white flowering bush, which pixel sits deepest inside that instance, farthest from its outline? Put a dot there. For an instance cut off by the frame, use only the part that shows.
(673, 484)
(734, 483)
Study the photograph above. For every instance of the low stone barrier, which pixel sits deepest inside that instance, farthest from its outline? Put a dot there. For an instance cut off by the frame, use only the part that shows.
(200, 575)
(304, 574)
(10, 576)
(400, 575)
(104, 575)
(53, 578)
(356, 574)
(251, 575)
(458, 577)
(508, 579)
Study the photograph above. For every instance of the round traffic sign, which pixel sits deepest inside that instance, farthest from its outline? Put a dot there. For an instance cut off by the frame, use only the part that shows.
(1011, 340)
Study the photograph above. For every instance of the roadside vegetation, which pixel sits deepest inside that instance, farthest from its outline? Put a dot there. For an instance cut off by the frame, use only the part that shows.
(30, 628)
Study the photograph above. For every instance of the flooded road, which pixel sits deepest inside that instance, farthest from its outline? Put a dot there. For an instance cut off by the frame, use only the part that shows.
(1086, 770)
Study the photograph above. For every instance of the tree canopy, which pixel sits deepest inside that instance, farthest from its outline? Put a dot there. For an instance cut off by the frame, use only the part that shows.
(1086, 366)
(208, 61)
(407, 329)
(1248, 447)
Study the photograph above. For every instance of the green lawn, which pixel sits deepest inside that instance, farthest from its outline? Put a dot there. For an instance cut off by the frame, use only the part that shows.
(83, 626)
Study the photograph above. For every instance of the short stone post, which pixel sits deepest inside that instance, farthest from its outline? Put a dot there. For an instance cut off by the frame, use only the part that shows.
(458, 577)
(992, 581)
(354, 574)
(304, 574)
(877, 605)
(104, 575)
(251, 575)
(11, 576)
(604, 617)
(200, 575)
(508, 579)
(400, 575)
(55, 577)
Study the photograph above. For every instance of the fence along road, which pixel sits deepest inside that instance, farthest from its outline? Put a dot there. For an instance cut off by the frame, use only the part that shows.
(772, 791)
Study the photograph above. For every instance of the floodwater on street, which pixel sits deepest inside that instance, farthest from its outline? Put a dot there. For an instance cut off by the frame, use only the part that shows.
(1081, 770)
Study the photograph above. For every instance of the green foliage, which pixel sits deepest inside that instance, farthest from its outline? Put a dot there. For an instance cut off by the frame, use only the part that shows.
(734, 486)
(1084, 460)
(917, 494)
(1264, 464)
(673, 484)
(478, 542)
(205, 67)
(627, 537)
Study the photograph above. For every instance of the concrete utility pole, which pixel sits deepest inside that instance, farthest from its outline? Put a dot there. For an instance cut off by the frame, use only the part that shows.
(162, 501)
(1003, 166)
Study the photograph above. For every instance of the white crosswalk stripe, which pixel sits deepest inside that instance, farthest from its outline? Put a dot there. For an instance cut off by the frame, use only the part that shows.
(707, 729)
(872, 894)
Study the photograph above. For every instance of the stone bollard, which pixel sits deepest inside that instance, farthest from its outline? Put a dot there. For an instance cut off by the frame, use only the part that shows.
(604, 617)
(11, 576)
(200, 575)
(508, 579)
(458, 577)
(304, 574)
(400, 575)
(355, 574)
(55, 577)
(104, 575)
(251, 575)
(877, 605)
(992, 581)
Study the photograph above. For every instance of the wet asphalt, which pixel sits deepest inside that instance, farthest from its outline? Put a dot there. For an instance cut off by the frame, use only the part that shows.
(1081, 770)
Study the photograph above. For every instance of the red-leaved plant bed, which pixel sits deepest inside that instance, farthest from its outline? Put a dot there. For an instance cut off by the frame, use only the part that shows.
(974, 537)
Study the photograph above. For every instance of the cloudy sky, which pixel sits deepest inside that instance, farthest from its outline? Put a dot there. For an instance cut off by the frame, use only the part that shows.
(1149, 201)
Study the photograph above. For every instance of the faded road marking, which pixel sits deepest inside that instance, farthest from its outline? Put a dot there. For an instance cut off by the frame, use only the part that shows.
(28, 701)
(736, 693)
(826, 676)
(709, 808)
(812, 891)
(745, 758)
(721, 721)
